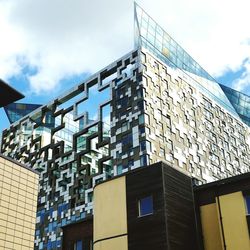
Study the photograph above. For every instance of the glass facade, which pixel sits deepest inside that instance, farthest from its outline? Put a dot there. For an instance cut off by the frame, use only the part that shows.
(240, 102)
(15, 111)
(130, 114)
(151, 36)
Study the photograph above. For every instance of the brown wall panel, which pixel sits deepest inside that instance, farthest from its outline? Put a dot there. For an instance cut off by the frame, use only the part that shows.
(78, 231)
(148, 232)
(178, 194)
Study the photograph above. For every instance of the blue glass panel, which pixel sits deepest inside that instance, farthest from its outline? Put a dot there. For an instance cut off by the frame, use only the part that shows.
(146, 206)
(240, 102)
(58, 243)
(40, 245)
(16, 111)
(247, 199)
(49, 245)
(79, 245)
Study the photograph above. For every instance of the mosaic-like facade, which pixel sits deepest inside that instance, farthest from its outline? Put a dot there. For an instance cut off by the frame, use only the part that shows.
(137, 111)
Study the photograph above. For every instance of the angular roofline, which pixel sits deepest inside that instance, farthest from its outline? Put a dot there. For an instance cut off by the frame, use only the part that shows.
(13, 94)
(18, 163)
(223, 182)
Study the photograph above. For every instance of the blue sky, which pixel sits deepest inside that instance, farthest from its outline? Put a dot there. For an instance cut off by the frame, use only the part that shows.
(46, 46)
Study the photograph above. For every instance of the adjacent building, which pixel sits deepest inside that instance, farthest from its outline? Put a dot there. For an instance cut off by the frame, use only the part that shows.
(223, 217)
(159, 207)
(147, 208)
(18, 205)
(156, 103)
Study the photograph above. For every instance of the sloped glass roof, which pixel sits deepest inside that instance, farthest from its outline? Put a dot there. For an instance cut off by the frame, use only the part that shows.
(240, 102)
(151, 36)
(16, 111)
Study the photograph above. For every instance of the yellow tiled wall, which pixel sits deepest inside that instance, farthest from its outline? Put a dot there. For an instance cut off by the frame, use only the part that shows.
(18, 202)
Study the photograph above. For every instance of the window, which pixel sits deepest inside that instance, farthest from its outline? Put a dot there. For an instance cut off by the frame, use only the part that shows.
(141, 119)
(125, 126)
(119, 169)
(130, 163)
(162, 152)
(144, 160)
(247, 200)
(127, 140)
(145, 206)
(78, 245)
(145, 145)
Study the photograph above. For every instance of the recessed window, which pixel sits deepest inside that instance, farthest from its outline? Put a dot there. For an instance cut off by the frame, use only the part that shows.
(247, 200)
(145, 206)
(78, 245)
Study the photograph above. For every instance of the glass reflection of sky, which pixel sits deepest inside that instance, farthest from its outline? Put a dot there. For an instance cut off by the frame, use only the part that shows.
(151, 36)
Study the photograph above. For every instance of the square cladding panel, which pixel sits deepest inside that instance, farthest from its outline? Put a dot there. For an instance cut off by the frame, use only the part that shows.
(18, 205)
(146, 112)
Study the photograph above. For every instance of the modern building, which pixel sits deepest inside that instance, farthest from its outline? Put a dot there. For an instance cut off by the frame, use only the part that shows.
(159, 207)
(223, 217)
(129, 206)
(147, 208)
(18, 205)
(154, 104)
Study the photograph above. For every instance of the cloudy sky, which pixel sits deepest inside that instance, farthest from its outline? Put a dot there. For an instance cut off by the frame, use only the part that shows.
(47, 46)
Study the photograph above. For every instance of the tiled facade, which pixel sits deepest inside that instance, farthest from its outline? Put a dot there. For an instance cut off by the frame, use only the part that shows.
(137, 111)
(18, 205)
(72, 152)
(189, 130)
(155, 114)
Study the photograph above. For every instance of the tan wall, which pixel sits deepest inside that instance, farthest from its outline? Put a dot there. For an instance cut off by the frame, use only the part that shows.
(120, 243)
(110, 215)
(18, 202)
(210, 227)
(234, 221)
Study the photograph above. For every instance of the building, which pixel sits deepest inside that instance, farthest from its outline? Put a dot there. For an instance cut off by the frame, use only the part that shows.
(159, 207)
(144, 209)
(18, 205)
(138, 210)
(154, 104)
(224, 213)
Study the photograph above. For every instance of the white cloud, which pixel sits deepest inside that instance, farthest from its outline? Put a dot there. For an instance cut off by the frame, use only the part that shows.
(64, 38)
(244, 81)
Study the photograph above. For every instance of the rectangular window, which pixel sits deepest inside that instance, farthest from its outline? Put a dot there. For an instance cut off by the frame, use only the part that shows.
(125, 126)
(145, 206)
(141, 119)
(119, 169)
(162, 152)
(247, 200)
(145, 145)
(78, 245)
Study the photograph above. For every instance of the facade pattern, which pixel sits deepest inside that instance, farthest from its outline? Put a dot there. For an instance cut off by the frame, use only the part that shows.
(71, 150)
(155, 114)
(188, 129)
(137, 111)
